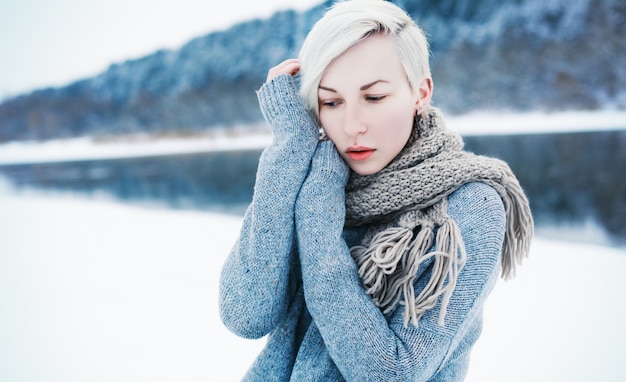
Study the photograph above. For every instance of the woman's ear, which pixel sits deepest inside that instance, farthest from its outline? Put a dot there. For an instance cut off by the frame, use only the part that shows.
(424, 94)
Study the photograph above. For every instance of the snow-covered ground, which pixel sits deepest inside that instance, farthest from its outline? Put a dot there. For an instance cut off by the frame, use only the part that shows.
(98, 291)
(92, 290)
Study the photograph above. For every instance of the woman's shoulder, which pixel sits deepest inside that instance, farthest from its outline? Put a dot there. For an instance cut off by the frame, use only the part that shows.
(475, 205)
(473, 194)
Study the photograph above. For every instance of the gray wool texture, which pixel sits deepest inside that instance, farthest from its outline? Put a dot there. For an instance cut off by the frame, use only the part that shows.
(409, 197)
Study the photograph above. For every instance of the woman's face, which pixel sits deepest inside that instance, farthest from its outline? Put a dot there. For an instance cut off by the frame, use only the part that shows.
(366, 105)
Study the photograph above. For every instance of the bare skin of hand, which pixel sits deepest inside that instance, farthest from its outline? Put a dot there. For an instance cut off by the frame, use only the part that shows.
(290, 66)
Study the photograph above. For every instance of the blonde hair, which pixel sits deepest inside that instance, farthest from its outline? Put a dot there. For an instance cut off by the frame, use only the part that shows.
(346, 24)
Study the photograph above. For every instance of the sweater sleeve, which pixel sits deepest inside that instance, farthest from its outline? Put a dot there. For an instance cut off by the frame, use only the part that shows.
(363, 343)
(254, 282)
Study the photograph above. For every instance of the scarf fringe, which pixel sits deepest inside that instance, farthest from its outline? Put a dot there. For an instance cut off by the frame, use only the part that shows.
(519, 227)
(389, 284)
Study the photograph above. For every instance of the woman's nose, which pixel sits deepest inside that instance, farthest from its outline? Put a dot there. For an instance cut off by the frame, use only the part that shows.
(354, 123)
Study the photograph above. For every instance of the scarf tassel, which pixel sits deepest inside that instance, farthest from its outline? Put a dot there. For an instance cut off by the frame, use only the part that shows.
(389, 284)
(519, 227)
(449, 257)
(378, 263)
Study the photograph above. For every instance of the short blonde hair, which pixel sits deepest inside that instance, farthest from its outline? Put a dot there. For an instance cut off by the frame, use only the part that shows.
(346, 24)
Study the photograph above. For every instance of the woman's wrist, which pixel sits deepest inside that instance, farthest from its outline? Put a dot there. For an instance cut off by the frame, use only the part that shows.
(283, 108)
(328, 164)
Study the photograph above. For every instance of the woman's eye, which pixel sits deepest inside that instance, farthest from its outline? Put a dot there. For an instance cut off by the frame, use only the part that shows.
(330, 103)
(374, 98)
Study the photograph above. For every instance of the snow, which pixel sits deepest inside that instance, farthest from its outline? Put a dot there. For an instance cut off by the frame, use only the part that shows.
(479, 123)
(93, 290)
(502, 123)
(90, 148)
(96, 291)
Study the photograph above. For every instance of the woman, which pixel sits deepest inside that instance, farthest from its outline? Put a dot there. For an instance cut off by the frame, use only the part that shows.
(367, 256)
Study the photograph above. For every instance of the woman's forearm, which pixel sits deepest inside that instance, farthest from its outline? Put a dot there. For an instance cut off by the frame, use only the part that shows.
(254, 285)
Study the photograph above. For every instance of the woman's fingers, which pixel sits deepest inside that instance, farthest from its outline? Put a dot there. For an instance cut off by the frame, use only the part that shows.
(290, 66)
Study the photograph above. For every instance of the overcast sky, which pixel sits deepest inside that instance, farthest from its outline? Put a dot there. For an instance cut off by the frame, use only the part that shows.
(54, 42)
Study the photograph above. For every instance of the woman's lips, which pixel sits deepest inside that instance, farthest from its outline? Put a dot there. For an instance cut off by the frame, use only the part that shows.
(359, 153)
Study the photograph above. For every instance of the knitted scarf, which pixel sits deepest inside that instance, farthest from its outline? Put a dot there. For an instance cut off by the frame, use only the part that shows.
(408, 202)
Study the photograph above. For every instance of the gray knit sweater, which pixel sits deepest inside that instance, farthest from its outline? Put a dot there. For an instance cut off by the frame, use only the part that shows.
(290, 275)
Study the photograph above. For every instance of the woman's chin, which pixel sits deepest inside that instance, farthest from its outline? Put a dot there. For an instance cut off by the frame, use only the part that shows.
(364, 168)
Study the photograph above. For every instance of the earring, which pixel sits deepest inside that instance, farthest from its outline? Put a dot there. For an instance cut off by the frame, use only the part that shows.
(322, 134)
(416, 124)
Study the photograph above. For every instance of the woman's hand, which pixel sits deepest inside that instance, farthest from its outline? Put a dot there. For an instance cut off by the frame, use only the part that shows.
(290, 66)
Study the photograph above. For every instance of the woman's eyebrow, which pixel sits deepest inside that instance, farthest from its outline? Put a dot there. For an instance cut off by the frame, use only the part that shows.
(327, 89)
(367, 86)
